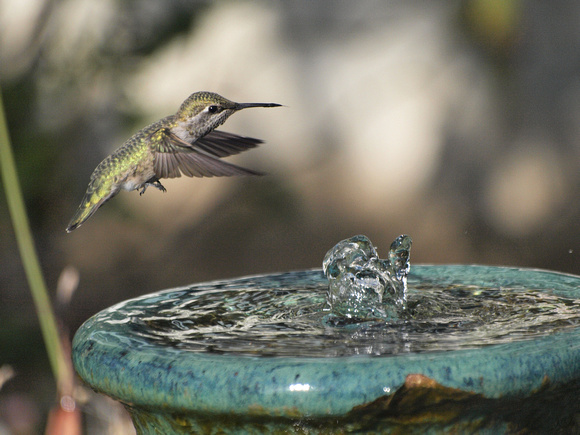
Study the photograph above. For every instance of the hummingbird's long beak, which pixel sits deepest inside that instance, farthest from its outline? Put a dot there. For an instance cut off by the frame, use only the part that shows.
(240, 106)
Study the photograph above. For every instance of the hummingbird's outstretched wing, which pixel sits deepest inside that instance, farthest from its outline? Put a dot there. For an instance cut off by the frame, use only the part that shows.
(175, 156)
(221, 144)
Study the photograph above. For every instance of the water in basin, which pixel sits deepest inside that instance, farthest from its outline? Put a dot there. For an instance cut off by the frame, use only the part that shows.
(297, 314)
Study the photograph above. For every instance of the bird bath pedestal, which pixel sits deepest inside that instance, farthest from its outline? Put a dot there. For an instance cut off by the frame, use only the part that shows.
(177, 373)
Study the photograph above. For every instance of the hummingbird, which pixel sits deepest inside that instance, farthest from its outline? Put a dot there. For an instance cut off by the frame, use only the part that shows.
(183, 143)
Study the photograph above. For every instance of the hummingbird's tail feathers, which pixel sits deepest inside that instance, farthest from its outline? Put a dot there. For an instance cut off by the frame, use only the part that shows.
(89, 205)
(222, 144)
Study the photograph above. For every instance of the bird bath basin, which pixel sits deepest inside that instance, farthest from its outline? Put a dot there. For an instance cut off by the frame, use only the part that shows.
(476, 349)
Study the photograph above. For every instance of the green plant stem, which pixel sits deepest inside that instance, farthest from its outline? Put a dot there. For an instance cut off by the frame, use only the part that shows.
(28, 254)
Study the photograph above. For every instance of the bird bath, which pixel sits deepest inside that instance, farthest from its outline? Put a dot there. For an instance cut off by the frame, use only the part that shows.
(471, 348)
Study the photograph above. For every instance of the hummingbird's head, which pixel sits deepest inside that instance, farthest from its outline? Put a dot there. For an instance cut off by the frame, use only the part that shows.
(205, 111)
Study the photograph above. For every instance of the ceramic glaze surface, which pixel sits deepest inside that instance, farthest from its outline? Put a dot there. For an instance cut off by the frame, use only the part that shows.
(149, 351)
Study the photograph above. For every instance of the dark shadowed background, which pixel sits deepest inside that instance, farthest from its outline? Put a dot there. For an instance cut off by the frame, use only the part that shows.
(456, 122)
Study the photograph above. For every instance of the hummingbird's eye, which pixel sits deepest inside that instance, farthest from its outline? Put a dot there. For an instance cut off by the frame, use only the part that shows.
(213, 109)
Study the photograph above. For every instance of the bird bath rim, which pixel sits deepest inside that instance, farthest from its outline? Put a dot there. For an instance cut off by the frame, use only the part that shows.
(171, 378)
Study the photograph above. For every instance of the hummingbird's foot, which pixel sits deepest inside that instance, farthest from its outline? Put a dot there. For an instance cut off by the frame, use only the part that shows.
(155, 183)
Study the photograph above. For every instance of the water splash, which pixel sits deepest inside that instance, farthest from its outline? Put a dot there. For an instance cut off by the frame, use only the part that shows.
(361, 285)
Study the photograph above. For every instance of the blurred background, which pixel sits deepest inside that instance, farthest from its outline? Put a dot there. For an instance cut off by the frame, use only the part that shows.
(456, 122)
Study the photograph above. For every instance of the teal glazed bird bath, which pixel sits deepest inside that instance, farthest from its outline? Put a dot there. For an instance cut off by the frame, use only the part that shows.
(477, 349)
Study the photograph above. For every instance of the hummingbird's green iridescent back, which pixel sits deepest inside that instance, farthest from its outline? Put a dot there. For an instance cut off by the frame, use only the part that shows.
(184, 143)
